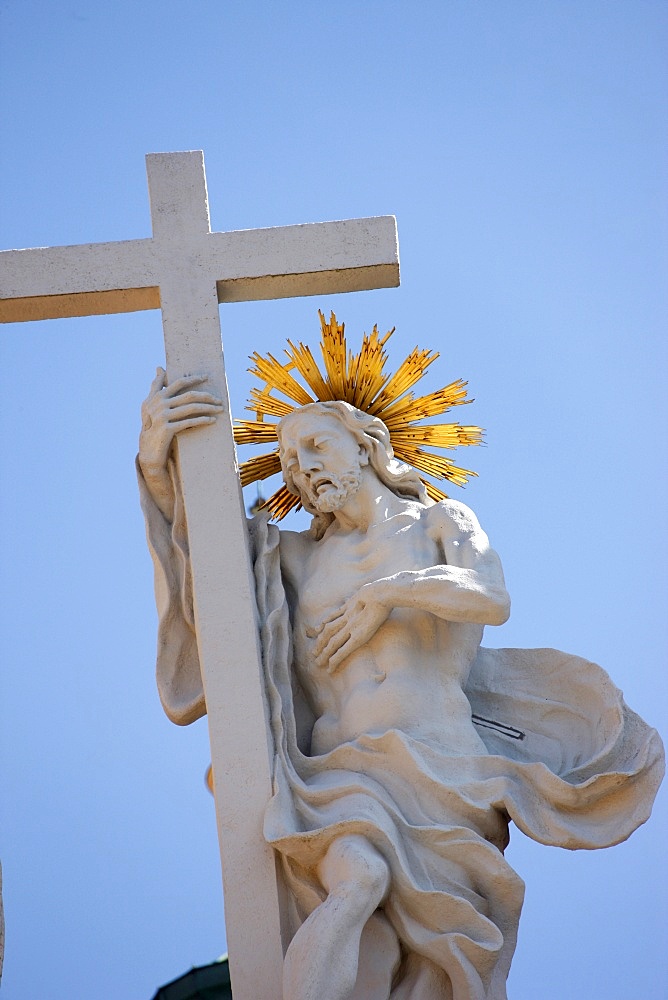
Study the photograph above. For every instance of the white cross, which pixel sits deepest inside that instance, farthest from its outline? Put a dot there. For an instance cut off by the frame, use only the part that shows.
(186, 270)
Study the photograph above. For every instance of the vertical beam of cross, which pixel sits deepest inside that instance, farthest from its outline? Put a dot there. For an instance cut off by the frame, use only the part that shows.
(225, 615)
(186, 270)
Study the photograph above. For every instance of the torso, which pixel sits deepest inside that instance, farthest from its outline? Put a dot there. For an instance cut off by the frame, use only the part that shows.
(410, 675)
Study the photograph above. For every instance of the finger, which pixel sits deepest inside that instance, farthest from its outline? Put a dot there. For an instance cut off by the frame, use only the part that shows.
(193, 396)
(185, 425)
(334, 615)
(327, 634)
(341, 654)
(159, 381)
(336, 621)
(177, 414)
(334, 644)
(187, 382)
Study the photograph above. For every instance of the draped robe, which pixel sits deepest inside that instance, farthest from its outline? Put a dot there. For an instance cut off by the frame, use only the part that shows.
(568, 762)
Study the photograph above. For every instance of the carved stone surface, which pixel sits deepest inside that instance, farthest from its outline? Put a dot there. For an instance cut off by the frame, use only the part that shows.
(186, 270)
(403, 748)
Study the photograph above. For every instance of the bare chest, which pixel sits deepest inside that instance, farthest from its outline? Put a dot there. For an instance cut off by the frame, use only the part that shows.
(337, 567)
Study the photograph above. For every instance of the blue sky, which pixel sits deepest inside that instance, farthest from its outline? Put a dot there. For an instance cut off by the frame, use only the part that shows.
(522, 148)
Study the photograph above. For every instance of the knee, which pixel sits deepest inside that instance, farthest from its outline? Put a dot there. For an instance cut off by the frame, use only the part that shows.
(353, 862)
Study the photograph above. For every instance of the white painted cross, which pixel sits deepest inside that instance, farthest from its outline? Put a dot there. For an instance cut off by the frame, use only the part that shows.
(186, 270)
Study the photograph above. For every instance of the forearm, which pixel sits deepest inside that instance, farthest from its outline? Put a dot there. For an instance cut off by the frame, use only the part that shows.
(159, 484)
(449, 592)
(178, 674)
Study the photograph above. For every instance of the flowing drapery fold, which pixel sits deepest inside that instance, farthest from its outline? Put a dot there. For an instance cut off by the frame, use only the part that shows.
(568, 762)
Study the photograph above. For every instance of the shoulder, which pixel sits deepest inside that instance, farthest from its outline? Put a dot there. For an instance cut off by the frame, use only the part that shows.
(464, 543)
(452, 518)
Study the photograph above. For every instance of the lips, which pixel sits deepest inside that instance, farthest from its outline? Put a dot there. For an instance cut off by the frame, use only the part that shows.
(321, 483)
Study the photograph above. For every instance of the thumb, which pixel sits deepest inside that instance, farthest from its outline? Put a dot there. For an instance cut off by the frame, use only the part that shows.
(160, 380)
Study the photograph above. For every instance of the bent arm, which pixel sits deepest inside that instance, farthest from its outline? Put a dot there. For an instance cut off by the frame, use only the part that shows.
(468, 587)
(454, 593)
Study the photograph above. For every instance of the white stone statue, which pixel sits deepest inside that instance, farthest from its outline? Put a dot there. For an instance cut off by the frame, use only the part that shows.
(403, 748)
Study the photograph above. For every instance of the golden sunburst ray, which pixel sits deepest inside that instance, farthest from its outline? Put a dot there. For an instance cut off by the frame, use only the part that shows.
(407, 374)
(263, 404)
(275, 374)
(365, 369)
(437, 435)
(433, 492)
(361, 380)
(409, 409)
(281, 503)
(260, 467)
(254, 432)
(333, 348)
(435, 465)
(305, 364)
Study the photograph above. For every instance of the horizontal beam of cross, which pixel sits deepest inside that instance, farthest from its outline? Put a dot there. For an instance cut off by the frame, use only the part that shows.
(98, 278)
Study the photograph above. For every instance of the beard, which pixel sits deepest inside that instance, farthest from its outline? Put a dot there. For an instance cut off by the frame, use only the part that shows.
(340, 489)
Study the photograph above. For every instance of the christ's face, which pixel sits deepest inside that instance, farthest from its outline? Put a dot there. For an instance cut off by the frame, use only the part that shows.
(323, 459)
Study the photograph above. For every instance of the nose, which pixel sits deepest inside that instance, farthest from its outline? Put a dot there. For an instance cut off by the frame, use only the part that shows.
(308, 460)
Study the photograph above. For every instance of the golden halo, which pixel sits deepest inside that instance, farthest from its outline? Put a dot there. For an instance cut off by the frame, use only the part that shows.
(359, 379)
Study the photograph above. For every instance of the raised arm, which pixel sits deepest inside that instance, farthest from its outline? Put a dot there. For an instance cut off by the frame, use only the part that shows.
(467, 587)
(168, 410)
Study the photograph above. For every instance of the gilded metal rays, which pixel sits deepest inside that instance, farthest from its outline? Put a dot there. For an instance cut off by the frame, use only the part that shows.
(359, 379)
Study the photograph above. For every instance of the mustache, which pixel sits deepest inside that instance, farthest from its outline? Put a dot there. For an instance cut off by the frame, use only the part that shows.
(342, 487)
